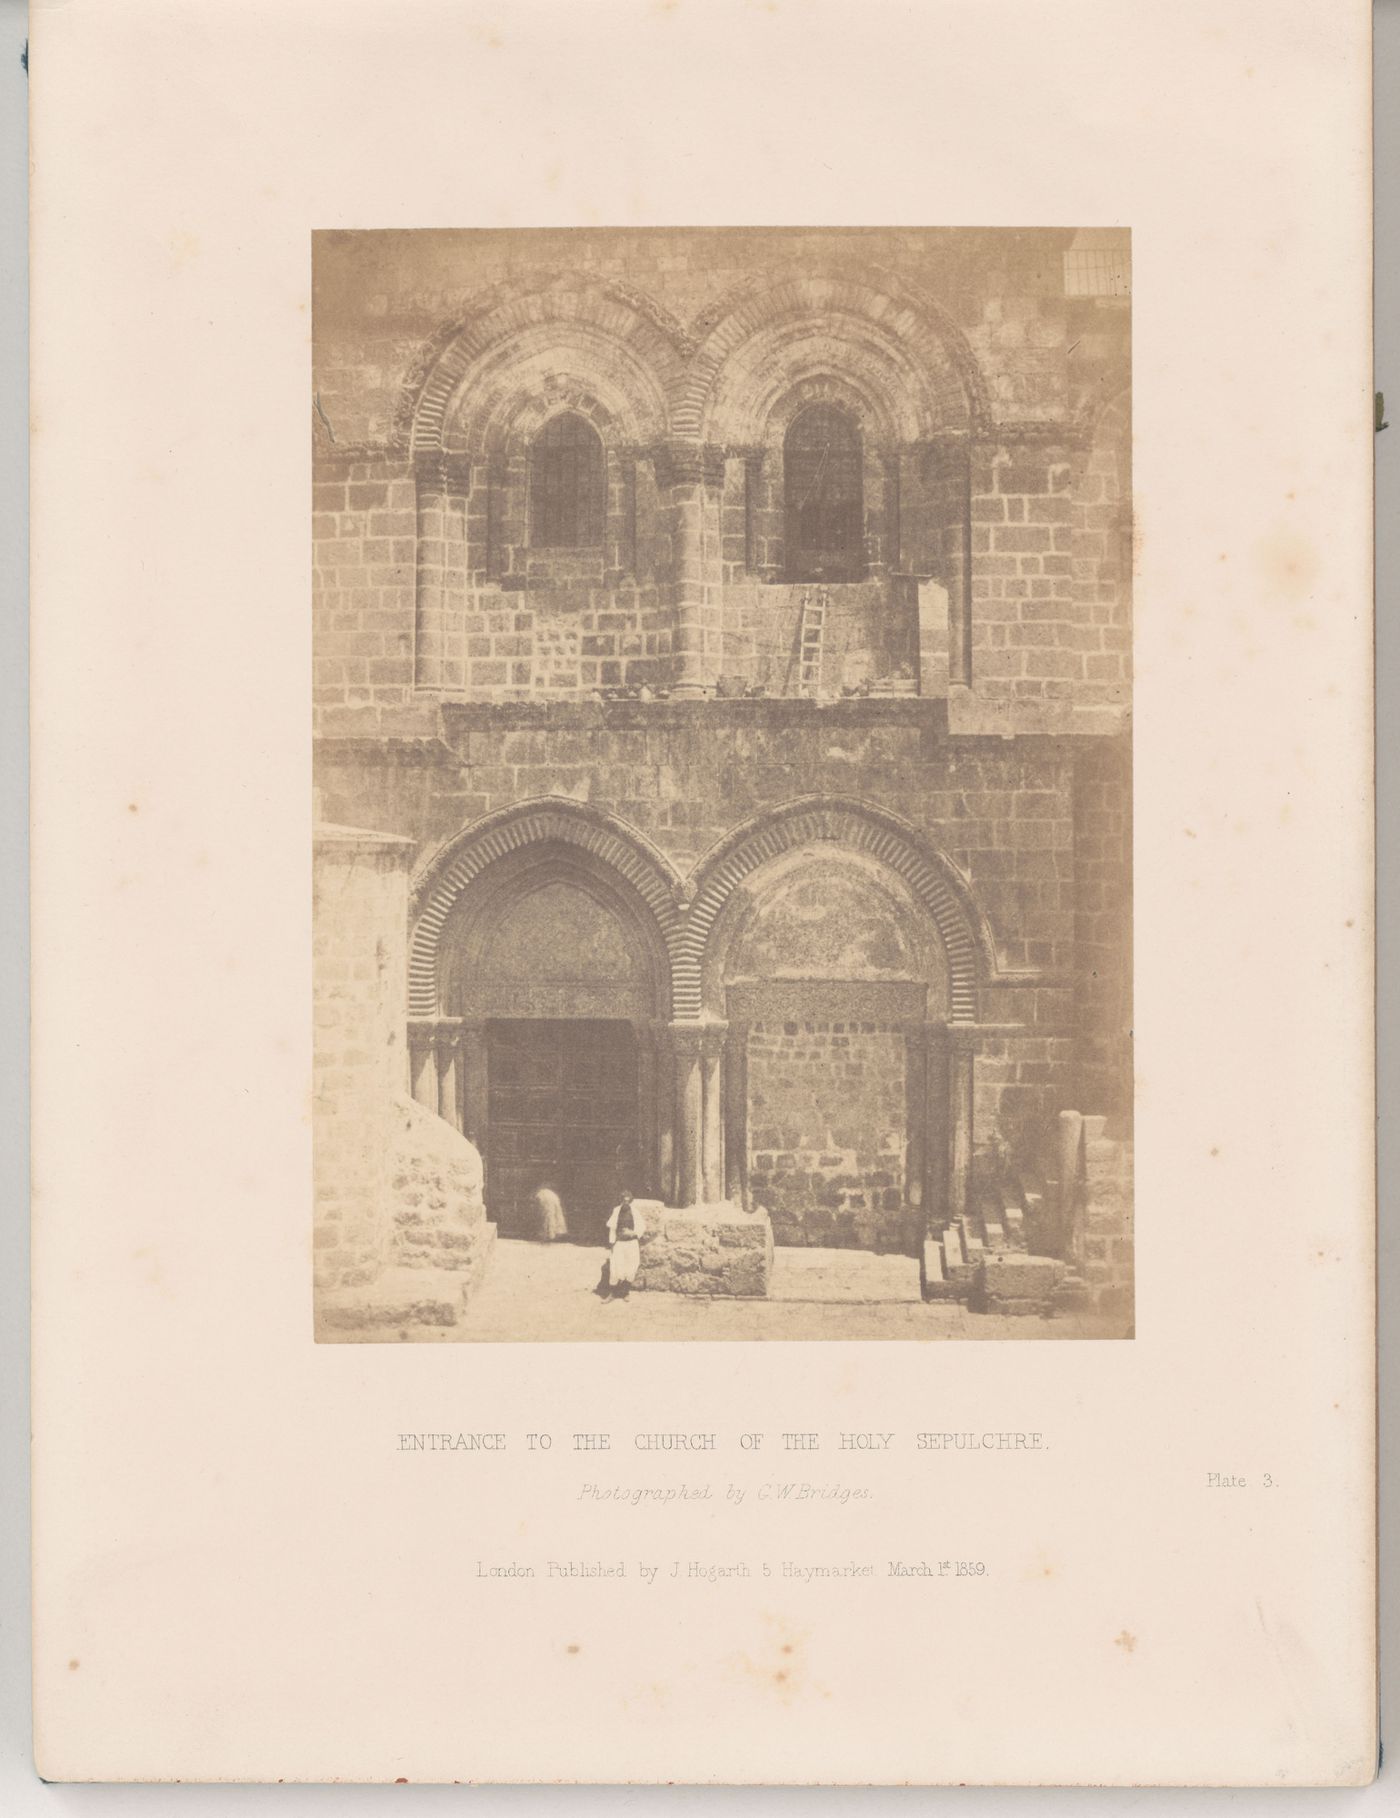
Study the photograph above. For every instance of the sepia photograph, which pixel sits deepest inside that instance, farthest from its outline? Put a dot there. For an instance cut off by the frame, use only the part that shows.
(703, 893)
(722, 874)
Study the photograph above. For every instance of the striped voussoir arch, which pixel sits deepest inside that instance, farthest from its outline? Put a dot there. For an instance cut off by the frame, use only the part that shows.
(636, 326)
(889, 307)
(854, 825)
(620, 848)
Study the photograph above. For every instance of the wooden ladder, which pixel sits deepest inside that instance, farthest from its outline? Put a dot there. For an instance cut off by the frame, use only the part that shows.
(811, 640)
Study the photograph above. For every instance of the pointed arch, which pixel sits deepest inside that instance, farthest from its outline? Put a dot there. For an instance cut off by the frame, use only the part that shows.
(905, 347)
(626, 346)
(860, 826)
(449, 871)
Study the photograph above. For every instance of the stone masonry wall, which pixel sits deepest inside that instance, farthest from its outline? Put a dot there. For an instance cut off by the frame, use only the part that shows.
(397, 1191)
(827, 1132)
(365, 547)
(435, 1180)
(360, 938)
(425, 581)
(685, 774)
(379, 296)
(1039, 827)
(871, 634)
(457, 668)
(1103, 855)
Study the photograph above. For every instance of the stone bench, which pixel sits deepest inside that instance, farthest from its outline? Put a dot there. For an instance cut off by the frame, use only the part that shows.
(716, 1250)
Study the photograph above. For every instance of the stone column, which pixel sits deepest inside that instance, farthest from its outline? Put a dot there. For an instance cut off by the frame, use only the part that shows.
(447, 1041)
(712, 1094)
(620, 555)
(430, 607)
(753, 506)
(689, 1115)
(496, 512)
(937, 1145)
(916, 1109)
(648, 1113)
(767, 514)
(422, 1063)
(736, 1115)
(894, 501)
(875, 490)
(663, 1091)
(961, 1053)
(690, 476)
(472, 1061)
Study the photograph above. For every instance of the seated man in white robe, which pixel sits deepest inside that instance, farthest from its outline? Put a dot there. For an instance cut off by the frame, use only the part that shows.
(625, 1248)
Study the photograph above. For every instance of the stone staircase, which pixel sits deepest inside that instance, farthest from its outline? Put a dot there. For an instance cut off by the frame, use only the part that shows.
(1045, 1239)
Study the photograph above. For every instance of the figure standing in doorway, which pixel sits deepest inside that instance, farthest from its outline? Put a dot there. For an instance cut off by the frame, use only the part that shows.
(549, 1221)
(625, 1253)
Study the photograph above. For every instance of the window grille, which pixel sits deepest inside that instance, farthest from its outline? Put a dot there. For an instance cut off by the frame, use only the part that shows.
(823, 495)
(1098, 271)
(567, 485)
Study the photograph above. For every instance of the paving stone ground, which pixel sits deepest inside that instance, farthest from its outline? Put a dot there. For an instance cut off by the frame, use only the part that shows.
(535, 1293)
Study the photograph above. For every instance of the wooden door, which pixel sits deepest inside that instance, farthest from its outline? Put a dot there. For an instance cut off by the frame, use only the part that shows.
(562, 1112)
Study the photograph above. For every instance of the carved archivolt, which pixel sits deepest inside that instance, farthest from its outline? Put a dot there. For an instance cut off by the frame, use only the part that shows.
(717, 382)
(637, 865)
(856, 826)
(684, 912)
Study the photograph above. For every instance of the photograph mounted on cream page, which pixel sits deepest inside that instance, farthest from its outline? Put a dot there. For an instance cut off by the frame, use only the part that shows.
(722, 667)
(703, 1085)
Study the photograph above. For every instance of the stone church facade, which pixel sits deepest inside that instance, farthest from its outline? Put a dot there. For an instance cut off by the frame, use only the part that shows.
(722, 648)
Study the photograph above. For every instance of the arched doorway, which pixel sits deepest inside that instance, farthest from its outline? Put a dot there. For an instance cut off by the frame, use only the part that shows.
(818, 913)
(556, 977)
(539, 952)
(834, 987)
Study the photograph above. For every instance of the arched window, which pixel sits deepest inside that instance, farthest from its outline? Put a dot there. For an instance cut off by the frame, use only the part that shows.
(822, 495)
(567, 485)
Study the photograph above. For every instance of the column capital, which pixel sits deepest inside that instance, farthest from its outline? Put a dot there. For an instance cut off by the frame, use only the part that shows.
(712, 1038)
(679, 463)
(686, 1037)
(438, 471)
(694, 1038)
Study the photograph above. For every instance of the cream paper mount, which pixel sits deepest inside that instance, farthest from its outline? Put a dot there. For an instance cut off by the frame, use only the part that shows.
(702, 778)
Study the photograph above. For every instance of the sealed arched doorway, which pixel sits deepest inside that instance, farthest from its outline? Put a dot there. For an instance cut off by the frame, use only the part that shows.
(833, 984)
(552, 986)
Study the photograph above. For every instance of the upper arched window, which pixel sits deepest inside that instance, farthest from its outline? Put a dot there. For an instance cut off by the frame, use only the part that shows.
(823, 496)
(567, 485)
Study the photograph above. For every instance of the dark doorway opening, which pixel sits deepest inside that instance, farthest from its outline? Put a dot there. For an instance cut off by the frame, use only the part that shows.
(563, 1112)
